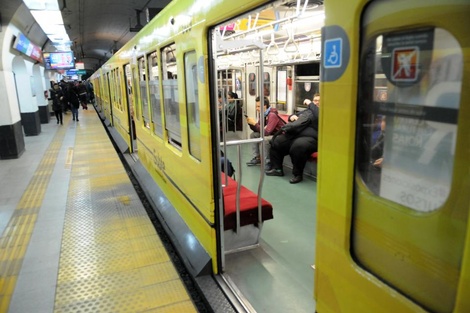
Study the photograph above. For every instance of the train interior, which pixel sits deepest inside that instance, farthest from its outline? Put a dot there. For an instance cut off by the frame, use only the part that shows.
(276, 49)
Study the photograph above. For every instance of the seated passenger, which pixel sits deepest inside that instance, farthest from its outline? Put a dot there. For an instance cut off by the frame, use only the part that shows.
(299, 140)
(376, 159)
(272, 124)
(233, 111)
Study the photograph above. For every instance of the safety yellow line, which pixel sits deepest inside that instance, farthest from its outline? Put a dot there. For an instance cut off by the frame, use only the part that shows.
(17, 234)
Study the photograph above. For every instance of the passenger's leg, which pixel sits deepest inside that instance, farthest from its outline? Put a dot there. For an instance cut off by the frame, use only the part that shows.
(300, 151)
(255, 146)
(267, 147)
(255, 150)
(278, 150)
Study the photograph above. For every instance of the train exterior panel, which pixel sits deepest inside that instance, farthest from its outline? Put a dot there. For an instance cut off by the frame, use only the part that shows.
(394, 247)
(186, 177)
(392, 231)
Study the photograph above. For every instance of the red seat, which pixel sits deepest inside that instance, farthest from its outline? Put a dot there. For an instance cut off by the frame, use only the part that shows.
(248, 206)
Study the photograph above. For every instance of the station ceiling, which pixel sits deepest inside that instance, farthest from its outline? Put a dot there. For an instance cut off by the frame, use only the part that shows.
(96, 28)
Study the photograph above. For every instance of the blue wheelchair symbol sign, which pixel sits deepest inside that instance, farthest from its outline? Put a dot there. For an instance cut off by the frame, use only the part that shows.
(332, 53)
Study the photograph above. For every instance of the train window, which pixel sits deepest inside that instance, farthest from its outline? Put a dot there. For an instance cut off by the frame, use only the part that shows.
(407, 226)
(154, 91)
(252, 84)
(267, 84)
(170, 95)
(143, 91)
(117, 91)
(135, 90)
(192, 104)
(408, 123)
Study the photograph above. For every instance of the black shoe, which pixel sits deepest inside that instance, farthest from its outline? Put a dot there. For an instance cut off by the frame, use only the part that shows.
(268, 167)
(254, 161)
(77, 119)
(274, 172)
(296, 179)
(61, 123)
(74, 118)
(57, 122)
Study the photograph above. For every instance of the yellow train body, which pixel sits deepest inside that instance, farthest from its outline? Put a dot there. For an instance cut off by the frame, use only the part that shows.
(395, 250)
(376, 251)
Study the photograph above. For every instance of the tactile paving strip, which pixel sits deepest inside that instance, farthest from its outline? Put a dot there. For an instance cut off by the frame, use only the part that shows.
(17, 234)
(111, 259)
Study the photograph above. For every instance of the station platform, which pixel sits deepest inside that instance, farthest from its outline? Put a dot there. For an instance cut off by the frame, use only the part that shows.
(75, 236)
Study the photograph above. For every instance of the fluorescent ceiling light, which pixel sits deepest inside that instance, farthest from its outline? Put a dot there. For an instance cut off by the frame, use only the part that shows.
(42, 4)
(52, 24)
(53, 29)
(48, 17)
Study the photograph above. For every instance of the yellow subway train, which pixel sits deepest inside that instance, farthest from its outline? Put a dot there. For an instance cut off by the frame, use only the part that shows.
(379, 223)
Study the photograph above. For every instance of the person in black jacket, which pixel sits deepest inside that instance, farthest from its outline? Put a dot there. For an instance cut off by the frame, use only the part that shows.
(58, 98)
(72, 96)
(299, 139)
(82, 93)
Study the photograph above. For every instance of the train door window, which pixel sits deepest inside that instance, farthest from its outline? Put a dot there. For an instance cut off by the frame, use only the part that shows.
(154, 91)
(170, 95)
(114, 88)
(129, 93)
(135, 79)
(404, 229)
(192, 104)
(117, 90)
(143, 91)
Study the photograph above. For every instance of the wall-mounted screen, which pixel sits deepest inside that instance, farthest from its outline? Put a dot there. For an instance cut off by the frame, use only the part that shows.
(24, 45)
(59, 60)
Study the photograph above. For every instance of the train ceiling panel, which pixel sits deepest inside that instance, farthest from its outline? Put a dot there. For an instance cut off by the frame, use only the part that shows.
(288, 31)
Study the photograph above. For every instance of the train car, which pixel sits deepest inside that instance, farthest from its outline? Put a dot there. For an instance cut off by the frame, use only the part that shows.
(159, 97)
(393, 200)
(388, 231)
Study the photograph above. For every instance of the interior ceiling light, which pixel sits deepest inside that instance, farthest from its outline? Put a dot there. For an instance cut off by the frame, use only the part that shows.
(48, 16)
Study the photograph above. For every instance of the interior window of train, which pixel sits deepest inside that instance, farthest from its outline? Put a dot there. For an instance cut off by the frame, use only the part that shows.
(170, 95)
(252, 84)
(307, 83)
(230, 84)
(154, 91)
(282, 85)
(192, 104)
(143, 91)
(409, 104)
(267, 84)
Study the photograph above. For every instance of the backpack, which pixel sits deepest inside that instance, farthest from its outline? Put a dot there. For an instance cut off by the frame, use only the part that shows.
(230, 170)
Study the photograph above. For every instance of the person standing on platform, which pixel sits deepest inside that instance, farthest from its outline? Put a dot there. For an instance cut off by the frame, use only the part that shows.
(58, 98)
(82, 92)
(73, 98)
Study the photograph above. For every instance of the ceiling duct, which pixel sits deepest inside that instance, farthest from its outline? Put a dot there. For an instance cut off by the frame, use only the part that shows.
(138, 26)
(66, 11)
(151, 13)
